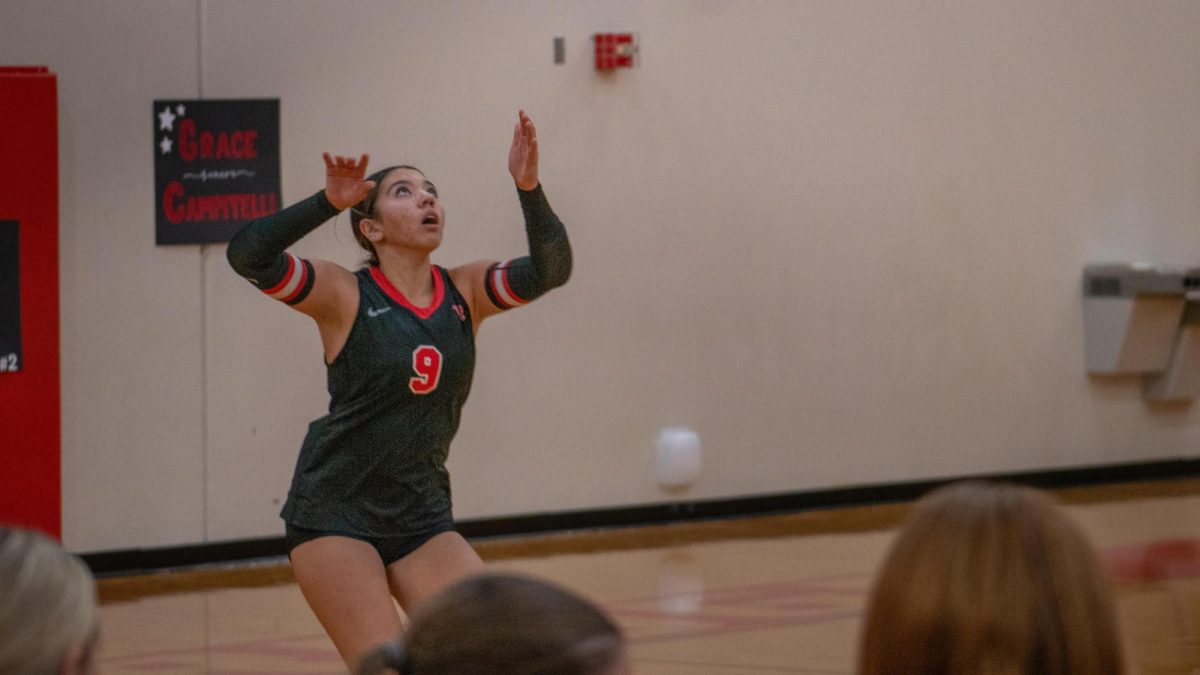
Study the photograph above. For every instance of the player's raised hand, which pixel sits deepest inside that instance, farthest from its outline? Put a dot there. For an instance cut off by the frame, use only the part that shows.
(523, 155)
(344, 183)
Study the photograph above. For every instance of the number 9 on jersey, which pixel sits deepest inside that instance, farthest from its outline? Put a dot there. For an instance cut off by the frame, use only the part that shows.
(427, 363)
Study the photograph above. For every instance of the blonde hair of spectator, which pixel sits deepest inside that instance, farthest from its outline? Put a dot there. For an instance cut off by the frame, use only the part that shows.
(991, 579)
(49, 618)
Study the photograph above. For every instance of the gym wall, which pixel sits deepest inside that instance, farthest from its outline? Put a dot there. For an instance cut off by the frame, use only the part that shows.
(841, 240)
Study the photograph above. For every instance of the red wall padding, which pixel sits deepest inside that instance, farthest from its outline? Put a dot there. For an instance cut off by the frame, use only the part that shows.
(30, 408)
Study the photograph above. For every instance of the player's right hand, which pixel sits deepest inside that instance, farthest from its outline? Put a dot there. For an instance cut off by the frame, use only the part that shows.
(344, 184)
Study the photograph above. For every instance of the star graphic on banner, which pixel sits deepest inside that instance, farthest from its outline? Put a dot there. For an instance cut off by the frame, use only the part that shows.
(165, 145)
(179, 109)
(166, 120)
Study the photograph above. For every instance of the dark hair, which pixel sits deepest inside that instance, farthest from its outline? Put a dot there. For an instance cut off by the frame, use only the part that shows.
(991, 578)
(503, 624)
(386, 658)
(366, 209)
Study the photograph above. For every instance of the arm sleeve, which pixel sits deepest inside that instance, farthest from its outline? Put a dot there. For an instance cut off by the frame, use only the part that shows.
(516, 282)
(257, 251)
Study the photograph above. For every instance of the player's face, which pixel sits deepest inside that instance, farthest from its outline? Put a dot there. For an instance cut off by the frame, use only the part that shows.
(409, 211)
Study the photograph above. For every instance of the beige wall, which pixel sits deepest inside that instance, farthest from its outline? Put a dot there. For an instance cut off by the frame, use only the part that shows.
(842, 240)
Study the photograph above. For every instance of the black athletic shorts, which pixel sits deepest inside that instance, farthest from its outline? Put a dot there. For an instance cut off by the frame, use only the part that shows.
(390, 548)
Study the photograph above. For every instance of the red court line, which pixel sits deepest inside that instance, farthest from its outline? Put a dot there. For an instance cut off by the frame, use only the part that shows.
(1155, 561)
(815, 601)
(746, 608)
(775, 590)
(267, 646)
(739, 626)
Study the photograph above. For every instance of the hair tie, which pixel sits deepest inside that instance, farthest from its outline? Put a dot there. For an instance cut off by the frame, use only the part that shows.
(389, 656)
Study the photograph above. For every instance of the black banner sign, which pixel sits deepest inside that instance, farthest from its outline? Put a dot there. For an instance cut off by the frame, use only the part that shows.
(216, 167)
(10, 298)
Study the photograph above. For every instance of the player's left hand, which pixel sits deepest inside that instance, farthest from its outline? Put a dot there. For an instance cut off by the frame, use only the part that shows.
(523, 155)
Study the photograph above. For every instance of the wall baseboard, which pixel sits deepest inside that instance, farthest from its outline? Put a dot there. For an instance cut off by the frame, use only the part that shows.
(141, 561)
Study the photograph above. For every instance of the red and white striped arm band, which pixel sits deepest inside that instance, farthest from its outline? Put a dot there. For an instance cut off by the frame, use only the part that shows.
(500, 281)
(297, 281)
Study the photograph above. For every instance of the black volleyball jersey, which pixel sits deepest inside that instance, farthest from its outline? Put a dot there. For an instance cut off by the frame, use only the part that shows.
(375, 465)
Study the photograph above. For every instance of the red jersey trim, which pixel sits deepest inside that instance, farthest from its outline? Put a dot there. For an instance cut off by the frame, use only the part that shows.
(439, 292)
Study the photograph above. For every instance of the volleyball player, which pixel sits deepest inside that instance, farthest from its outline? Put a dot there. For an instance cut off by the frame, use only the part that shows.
(368, 516)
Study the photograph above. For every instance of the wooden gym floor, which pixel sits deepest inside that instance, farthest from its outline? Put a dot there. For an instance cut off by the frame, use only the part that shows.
(755, 596)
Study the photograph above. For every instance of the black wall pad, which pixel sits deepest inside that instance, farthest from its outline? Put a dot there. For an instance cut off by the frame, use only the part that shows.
(140, 561)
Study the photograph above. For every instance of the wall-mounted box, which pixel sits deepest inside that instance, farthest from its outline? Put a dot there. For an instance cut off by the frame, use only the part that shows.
(1180, 380)
(1131, 313)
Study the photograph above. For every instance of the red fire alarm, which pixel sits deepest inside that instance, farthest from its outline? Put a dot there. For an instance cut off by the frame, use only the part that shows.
(615, 50)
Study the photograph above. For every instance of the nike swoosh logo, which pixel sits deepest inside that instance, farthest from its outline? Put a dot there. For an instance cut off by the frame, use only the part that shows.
(372, 312)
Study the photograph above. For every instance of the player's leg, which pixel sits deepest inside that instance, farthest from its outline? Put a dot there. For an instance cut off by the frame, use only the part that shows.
(434, 565)
(346, 585)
